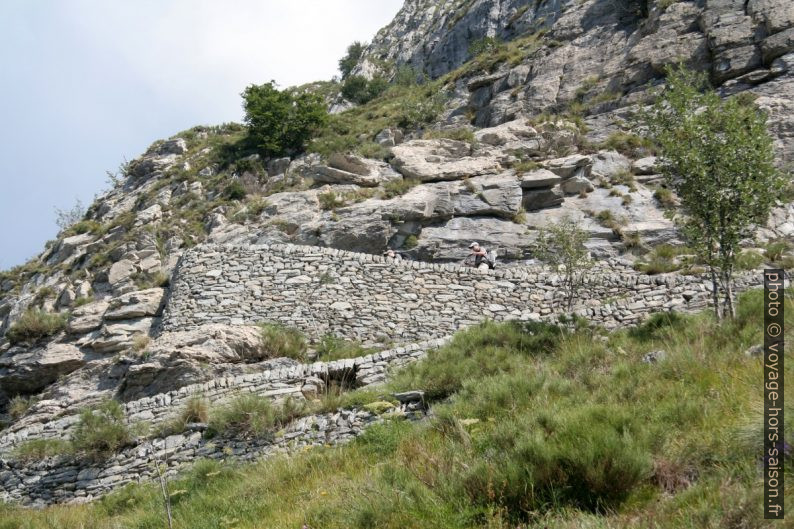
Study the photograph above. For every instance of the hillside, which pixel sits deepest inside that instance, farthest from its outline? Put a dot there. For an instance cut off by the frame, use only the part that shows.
(530, 428)
(210, 269)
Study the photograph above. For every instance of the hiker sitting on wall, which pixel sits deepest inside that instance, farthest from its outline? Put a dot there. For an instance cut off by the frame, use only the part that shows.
(397, 256)
(479, 258)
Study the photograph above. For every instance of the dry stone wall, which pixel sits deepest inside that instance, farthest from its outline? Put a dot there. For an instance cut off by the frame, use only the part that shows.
(373, 298)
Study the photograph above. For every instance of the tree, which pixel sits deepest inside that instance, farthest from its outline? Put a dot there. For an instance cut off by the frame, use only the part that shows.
(281, 121)
(349, 61)
(360, 90)
(562, 246)
(718, 157)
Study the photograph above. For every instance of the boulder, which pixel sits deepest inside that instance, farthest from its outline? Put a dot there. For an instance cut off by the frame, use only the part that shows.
(539, 178)
(576, 164)
(352, 169)
(431, 160)
(489, 195)
(776, 15)
(646, 166)
(118, 335)
(121, 272)
(423, 202)
(542, 198)
(70, 248)
(607, 164)
(778, 44)
(136, 304)
(449, 241)
(389, 137)
(174, 146)
(31, 371)
(508, 133)
(149, 215)
(86, 318)
(577, 185)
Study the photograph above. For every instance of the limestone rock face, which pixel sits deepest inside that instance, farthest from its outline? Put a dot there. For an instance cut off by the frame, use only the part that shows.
(136, 305)
(86, 318)
(431, 160)
(31, 371)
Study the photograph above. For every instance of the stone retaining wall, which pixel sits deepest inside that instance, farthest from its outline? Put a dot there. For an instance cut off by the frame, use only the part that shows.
(63, 480)
(295, 381)
(372, 298)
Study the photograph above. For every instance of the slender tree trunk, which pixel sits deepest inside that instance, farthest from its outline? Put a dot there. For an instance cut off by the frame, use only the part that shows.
(727, 285)
(715, 299)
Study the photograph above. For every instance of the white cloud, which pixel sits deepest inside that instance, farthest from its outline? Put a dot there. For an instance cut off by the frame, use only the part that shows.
(90, 81)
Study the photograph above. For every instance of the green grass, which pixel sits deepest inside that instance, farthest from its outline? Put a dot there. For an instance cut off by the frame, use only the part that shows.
(534, 427)
(34, 325)
(331, 347)
(281, 341)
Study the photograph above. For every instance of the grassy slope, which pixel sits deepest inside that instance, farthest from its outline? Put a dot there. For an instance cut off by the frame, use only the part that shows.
(531, 429)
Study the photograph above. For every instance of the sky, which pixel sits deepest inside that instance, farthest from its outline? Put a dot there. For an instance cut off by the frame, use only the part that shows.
(90, 83)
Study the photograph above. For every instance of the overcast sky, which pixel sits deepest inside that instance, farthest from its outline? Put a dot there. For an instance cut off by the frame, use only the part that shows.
(90, 82)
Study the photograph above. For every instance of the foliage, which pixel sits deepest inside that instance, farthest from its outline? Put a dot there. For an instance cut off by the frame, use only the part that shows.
(235, 190)
(64, 218)
(483, 45)
(101, 430)
(749, 260)
(34, 325)
(360, 90)
(19, 406)
(329, 200)
(252, 416)
(38, 449)
(351, 58)
(281, 341)
(628, 144)
(280, 122)
(459, 134)
(398, 187)
(331, 347)
(562, 245)
(717, 155)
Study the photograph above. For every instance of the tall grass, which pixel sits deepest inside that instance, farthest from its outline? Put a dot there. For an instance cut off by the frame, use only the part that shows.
(533, 427)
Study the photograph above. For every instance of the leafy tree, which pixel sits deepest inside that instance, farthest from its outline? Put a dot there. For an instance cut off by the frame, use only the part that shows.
(718, 157)
(360, 90)
(562, 245)
(281, 121)
(349, 61)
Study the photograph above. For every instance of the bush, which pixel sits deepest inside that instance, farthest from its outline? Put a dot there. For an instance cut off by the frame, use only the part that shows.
(459, 134)
(280, 122)
(351, 58)
(749, 260)
(774, 250)
(329, 201)
(19, 406)
(398, 187)
(360, 90)
(196, 410)
(253, 416)
(628, 144)
(282, 341)
(332, 347)
(34, 325)
(235, 190)
(101, 430)
(38, 449)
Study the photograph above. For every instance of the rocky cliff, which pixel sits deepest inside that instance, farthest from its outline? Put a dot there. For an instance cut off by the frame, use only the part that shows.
(537, 127)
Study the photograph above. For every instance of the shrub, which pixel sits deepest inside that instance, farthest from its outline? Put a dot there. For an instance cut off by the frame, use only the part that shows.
(419, 109)
(282, 341)
(280, 122)
(525, 167)
(34, 325)
(329, 200)
(332, 347)
(398, 187)
(459, 134)
(520, 217)
(85, 226)
(360, 90)
(626, 143)
(370, 149)
(101, 430)
(411, 242)
(234, 190)
(749, 260)
(664, 196)
(19, 405)
(253, 416)
(196, 410)
(351, 58)
(774, 250)
(483, 45)
(38, 449)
